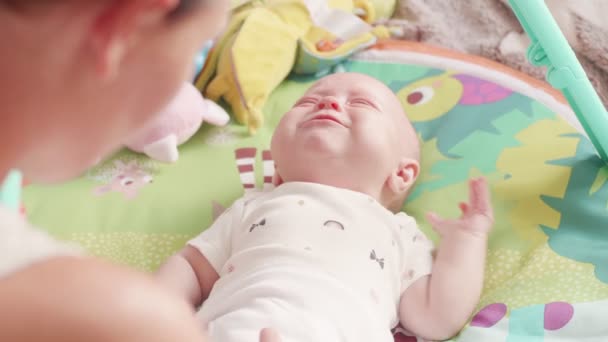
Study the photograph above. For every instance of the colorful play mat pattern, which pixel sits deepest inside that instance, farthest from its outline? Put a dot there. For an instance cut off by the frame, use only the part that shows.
(547, 268)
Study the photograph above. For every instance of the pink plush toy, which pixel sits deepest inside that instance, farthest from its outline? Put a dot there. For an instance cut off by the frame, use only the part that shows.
(178, 122)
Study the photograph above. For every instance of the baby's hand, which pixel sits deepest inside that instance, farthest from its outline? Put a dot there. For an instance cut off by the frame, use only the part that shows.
(477, 216)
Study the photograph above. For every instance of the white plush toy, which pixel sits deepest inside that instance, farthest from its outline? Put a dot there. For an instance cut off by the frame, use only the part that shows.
(177, 123)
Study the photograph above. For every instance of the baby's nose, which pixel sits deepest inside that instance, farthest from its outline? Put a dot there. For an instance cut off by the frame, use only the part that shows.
(329, 103)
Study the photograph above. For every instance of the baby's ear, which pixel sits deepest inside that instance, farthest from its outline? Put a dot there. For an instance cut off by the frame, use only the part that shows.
(116, 26)
(404, 176)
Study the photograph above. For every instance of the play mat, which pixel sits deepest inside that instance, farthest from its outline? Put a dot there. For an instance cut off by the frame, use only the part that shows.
(547, 269)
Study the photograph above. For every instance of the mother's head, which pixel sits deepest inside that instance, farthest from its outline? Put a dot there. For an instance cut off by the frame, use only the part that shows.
(78, 76)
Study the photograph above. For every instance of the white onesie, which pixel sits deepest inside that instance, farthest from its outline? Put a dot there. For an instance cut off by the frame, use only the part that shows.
(315, 262)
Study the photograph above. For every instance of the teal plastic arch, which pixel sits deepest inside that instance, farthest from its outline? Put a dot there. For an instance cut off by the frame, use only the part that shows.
(10, 191)
(550, 48)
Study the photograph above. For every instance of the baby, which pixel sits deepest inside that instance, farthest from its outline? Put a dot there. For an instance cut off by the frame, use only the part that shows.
(326, 255)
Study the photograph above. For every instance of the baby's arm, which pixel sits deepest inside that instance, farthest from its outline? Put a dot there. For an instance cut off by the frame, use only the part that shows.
(189, 274)
(436, 307)
(193, 271)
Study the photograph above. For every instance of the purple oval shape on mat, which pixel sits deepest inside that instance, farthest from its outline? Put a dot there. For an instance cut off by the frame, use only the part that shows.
(489, 315)
(477, 91)
(557, 315)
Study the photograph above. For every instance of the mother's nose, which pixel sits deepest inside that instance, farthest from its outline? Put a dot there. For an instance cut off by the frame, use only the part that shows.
(329, 102)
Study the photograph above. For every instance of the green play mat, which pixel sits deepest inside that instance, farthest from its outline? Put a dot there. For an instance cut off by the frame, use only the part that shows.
(547, 274)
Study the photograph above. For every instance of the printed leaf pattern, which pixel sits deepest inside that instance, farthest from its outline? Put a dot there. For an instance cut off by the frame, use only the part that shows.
(582, 233)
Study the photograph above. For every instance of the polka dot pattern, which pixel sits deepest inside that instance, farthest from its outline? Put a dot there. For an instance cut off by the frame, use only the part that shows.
(539, 276)
(143, 251)
(219, 136)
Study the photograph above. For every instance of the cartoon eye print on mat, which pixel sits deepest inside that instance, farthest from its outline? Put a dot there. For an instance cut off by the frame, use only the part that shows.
(374, 257)
(432, 97)
(126, 178)
(420, 96)
(128, 181)
(259, 224)
(333, 225)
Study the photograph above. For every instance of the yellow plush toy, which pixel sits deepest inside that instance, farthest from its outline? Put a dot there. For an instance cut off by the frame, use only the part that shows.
(266, 40)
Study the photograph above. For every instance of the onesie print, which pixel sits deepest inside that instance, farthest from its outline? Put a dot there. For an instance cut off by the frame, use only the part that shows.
(259, 224)
(374, 296)
(373, 257)
(333, 224)
(419, 237)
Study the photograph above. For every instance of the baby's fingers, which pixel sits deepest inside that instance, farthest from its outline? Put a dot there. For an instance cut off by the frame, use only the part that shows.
(440, 225)
(434, 219)
(479, 197)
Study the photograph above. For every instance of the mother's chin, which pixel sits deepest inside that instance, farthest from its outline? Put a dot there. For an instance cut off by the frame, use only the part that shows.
(52, 168)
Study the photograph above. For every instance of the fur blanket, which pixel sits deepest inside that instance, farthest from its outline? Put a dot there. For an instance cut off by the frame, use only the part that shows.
(490, 29)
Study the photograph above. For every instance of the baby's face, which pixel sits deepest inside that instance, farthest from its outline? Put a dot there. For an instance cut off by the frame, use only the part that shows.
(348, 117)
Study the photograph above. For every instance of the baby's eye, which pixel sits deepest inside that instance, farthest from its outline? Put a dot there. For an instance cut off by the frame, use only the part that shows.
(362, 102)
(307, 101)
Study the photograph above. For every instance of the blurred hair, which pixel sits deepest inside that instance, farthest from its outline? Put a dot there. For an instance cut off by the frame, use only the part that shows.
(183, 7)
